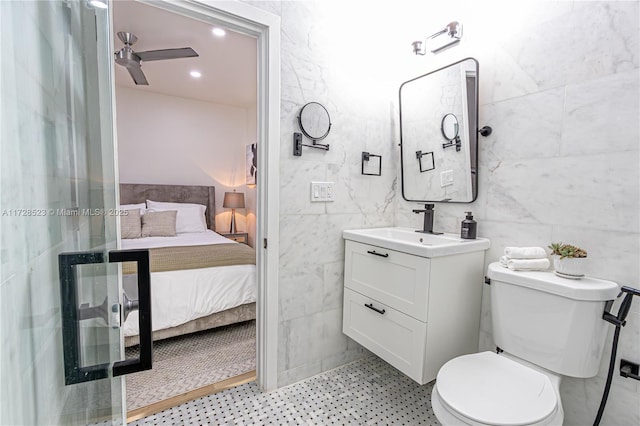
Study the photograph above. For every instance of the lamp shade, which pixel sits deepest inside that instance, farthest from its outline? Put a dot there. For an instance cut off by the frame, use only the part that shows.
(233, 200)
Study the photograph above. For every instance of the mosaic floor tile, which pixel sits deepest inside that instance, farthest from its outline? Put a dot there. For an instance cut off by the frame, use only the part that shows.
(366, 392)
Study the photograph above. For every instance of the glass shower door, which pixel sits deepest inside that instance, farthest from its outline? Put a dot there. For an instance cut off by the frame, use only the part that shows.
(60, 294)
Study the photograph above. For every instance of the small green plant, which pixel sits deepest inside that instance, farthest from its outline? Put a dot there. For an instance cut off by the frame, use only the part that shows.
(567, 250)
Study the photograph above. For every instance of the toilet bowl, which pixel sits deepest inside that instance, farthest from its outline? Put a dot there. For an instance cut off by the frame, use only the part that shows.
(495, 389)
(546, 327)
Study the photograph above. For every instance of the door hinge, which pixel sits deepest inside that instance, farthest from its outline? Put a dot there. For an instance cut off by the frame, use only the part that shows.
(264, 245)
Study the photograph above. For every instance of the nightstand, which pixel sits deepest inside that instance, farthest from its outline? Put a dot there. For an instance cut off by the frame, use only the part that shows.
(240, 237)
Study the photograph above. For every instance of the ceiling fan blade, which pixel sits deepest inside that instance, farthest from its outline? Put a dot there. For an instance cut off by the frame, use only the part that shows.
(137, 75)
(158, 55)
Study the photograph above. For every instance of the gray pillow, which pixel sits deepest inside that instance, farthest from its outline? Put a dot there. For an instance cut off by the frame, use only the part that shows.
(130, 224)
(159, 224)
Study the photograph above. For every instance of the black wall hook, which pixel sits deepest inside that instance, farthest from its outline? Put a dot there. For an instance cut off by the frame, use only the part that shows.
(485, 131)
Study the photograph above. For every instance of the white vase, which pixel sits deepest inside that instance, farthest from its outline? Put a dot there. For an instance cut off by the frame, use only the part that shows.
(570, 267)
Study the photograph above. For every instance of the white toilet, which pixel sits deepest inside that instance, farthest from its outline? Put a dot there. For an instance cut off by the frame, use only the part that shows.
(547, 326)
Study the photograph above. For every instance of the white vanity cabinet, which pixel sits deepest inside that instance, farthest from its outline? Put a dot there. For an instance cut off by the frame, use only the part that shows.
(414, 312)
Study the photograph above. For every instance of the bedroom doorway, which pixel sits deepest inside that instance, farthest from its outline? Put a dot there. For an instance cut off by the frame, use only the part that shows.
(63, 346)
(236, 20)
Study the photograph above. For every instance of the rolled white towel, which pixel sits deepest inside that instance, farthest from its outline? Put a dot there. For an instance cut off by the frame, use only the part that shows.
(525, 253)
(503, 261)
(528, 264)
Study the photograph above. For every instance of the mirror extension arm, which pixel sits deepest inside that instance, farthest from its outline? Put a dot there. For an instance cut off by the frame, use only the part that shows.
(297, 145)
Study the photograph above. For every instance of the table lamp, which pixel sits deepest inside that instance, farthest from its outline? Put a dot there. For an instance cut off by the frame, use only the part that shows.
(233, 200)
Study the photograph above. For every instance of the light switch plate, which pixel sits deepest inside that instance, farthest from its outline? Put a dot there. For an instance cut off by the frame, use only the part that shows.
(321, 191)
(446, 178)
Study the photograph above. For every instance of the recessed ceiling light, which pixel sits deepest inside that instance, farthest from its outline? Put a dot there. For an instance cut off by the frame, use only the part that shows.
(100, 4)
(218, 32)
(195, 74)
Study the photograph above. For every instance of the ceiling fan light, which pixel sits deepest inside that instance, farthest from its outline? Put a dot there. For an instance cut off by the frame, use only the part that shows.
(218, 32)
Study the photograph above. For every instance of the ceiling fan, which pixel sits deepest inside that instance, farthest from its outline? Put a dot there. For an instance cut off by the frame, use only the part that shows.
(132, 60)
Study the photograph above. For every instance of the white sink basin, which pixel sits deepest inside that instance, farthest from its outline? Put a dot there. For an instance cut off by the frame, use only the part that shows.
(407, 240)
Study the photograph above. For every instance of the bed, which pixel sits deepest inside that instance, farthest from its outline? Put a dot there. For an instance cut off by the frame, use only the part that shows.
(188, 292)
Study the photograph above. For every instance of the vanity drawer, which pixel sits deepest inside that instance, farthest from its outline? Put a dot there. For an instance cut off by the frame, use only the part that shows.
(396, 279)
(393, 336)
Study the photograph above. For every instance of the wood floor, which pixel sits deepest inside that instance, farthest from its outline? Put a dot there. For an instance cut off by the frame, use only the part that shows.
(191, 395)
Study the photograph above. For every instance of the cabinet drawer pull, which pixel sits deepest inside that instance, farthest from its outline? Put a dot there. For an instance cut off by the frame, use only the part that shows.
(378, 254)
(370, 306)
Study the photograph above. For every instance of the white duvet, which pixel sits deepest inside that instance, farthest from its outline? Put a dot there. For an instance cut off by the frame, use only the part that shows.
(178, 297)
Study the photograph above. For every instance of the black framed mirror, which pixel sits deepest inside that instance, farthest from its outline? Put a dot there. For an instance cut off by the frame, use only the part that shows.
(442, 103)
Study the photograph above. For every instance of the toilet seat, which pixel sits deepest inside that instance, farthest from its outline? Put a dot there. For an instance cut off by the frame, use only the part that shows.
(486, 388)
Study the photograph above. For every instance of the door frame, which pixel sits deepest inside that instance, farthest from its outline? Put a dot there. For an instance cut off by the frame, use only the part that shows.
(265, 27)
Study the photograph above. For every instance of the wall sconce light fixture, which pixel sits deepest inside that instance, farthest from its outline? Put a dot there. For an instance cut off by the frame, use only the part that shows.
(450, 35)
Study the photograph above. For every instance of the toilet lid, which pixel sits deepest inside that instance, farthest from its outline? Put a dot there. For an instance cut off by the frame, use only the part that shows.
(492, 389)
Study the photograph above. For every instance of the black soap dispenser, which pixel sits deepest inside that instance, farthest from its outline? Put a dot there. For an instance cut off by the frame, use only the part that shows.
(468, 228)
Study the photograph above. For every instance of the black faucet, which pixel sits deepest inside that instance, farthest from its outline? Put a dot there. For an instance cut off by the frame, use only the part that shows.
(427, 228)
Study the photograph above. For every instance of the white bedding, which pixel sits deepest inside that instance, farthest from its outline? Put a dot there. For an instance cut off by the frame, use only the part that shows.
(190, 239)
(178, 297)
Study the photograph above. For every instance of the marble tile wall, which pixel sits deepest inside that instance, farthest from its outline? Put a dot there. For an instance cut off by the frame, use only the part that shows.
(318, 66)
(558, 84)
(560, 87)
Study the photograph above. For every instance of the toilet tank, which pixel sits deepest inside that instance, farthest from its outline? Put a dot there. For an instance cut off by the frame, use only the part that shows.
(553, 322)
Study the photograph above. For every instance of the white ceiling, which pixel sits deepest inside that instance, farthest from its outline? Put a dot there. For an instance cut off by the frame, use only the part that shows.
(228, 64)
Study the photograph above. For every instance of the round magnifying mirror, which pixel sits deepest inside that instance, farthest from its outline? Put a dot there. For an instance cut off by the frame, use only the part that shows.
(314, 121)
(449, 127)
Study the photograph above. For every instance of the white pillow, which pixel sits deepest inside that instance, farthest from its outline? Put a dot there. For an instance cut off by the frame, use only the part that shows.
(190, 216)
(141, 206)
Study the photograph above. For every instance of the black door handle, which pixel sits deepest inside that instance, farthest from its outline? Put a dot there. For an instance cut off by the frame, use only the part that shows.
(370, 306)
(145, 359)
(72, 314)
(378, 254)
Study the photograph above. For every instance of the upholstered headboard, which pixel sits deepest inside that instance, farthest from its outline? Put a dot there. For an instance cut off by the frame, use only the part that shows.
(133, 193)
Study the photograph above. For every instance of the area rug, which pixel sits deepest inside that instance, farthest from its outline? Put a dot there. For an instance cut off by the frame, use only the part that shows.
(189, 362)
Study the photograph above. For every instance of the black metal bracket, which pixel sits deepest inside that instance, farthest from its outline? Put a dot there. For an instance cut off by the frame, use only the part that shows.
(419, 155)
(366, 157)
(487, 280)
(625, 306)
(485, 131)
(72, 314)
(297, 145)
(629, 369)
(457, 144)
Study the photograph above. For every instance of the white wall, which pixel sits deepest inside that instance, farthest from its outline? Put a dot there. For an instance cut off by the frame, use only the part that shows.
(559, 86)
(170, 140)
